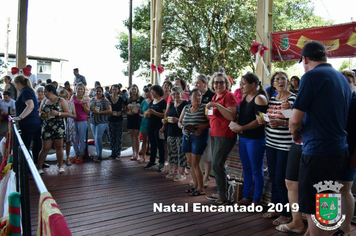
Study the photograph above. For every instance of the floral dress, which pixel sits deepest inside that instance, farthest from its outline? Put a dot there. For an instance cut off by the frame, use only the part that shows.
(70, 130)
(53, 127)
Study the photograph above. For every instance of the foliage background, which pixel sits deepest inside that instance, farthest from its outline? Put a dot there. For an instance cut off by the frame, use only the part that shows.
(199, 36)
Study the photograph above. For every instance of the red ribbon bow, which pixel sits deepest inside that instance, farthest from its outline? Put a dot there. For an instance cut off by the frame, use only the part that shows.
(258, 47)
(26, 71)
(155, 68)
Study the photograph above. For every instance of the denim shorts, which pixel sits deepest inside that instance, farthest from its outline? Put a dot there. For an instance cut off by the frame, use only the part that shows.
(195, 144)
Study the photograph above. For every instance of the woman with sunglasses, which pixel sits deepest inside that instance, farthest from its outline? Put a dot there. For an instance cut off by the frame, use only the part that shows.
(221, 110)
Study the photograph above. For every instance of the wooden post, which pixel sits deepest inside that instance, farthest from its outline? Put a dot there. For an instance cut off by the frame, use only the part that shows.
(264, 28)
(156, 36)
(153, 35)
(158, 48)
(6, 53)
(130, 44)
(21, 34)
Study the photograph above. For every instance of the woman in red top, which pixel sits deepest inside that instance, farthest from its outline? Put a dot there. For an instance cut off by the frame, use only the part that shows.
(238, 93)
(221, 110)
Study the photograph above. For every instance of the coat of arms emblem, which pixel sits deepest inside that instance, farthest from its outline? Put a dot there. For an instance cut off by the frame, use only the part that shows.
(328, 206)
(284, 46)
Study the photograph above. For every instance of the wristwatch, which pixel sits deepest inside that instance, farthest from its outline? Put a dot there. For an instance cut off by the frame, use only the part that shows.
(59, 114)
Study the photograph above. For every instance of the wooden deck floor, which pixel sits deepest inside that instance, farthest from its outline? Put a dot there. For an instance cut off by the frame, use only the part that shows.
(116, 198)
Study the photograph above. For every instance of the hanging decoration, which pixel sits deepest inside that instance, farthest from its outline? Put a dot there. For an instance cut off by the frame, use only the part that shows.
(25, 71)
(258, 50)
(159, 70)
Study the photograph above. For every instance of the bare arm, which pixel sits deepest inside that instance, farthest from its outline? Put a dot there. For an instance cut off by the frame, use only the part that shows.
(65, 108)
(180, 125)
(74, 113)
(228, 112)
(159, 114)
(295, 124)
(108, 110)
(28, 109)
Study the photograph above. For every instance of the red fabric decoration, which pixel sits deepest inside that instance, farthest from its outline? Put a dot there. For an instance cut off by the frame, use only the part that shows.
(256, 46)
(91, 142)
(160, 68)
(26, 71)
(58, 226)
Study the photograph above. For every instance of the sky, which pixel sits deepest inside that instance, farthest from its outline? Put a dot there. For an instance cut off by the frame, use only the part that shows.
(84, 33)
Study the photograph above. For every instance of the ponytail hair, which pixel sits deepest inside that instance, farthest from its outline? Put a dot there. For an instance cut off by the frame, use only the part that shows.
(253, 78)
(51, 88)
(21, 79)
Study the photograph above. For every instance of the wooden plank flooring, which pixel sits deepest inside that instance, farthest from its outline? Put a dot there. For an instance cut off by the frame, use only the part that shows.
(116, 198)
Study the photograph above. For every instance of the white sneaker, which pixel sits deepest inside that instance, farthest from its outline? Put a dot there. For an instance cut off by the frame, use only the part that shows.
(117, 158)
(171, 175)
(61, 170)
(40, 171)
(180, 178)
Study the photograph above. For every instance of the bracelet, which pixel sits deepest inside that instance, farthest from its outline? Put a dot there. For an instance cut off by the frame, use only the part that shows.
(285, 123)
(20, 118)
(59, 113)
(294, 133)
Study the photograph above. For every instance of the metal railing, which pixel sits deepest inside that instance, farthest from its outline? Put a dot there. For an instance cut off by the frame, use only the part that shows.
(22, 164)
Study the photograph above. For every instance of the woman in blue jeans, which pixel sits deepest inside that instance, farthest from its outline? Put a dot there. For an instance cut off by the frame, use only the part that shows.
(100, 108)
(278, 144)
(252, 137)
(81, 104)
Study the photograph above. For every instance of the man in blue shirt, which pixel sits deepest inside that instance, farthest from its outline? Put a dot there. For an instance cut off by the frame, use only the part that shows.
(319, 122)
(78, 79)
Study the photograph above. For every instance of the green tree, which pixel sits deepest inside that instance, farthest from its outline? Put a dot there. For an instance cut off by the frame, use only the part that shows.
(199, 36)
(140, 51)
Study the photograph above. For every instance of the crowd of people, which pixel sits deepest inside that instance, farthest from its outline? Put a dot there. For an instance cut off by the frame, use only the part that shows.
(200, 127)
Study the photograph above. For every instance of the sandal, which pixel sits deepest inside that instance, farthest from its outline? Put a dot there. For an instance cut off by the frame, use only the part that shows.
(244, 202)
(286, 229)
(220, 202)
(282, 220)
(73, 160)
(79, 161)
(189, 190)
(68, 162)
(133, 159)
(196, 193)
(270, 215)
(141, 160)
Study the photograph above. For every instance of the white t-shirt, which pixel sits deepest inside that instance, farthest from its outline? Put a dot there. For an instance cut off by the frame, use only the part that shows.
(33, 80)
(4, 105)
